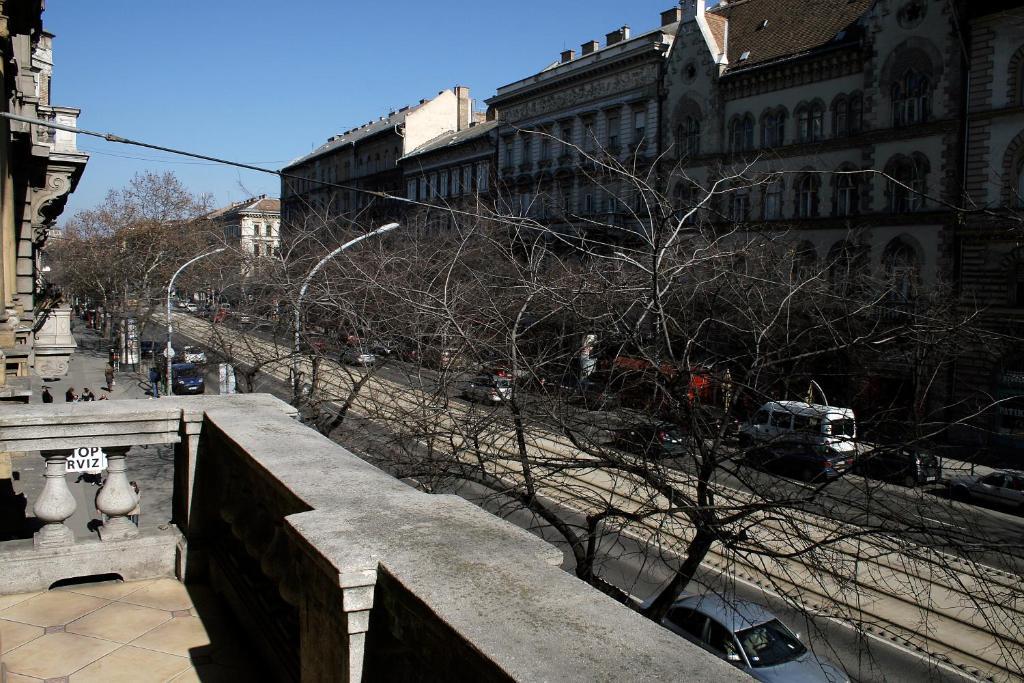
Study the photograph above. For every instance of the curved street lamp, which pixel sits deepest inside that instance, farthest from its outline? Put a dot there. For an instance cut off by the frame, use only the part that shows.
(169, 352)
(297, 349)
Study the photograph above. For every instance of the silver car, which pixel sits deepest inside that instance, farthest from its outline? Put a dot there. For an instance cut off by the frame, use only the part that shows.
(749, 637)
(1003, 487)
(359, 357)
(193, 354)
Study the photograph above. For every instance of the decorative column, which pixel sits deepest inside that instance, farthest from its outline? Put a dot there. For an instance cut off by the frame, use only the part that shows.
(117, 498)
(55, 503)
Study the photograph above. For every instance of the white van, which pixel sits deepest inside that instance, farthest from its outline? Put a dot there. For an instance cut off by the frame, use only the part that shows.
(798, 421)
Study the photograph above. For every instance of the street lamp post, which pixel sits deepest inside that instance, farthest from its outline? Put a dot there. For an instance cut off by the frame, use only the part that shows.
(297, 349)
(169, 352)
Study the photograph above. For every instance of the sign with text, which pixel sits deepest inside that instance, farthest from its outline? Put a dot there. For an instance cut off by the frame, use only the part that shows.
(89, 459)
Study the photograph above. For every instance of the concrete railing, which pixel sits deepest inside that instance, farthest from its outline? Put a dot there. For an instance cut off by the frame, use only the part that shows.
(340, 572)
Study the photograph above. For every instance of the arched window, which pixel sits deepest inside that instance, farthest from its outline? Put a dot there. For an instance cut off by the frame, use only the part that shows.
(846, 197)
(688, 137)
(856, 118)
(739, 204)
(841, 117)
(741, 134)
(911, 99)
(906, 185)
(902, 271)
(773, 128)
(772, 202)
(807, 197)
(810, 125)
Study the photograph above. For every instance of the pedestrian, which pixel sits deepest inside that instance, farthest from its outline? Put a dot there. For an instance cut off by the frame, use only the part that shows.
(134, 514)
(70, 396)
(47, 396)
(87, 395)
(154, 382)
(108, 374)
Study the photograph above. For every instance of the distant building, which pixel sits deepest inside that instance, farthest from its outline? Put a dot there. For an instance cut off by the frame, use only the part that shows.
(39, 168)
(252, 225)
(455, 169)
(558, 125)
(367, 158)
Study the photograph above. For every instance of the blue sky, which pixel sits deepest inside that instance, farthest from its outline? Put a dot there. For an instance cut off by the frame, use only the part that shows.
(264, 81)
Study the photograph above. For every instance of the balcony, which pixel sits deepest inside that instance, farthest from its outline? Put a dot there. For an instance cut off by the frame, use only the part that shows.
(286, 548)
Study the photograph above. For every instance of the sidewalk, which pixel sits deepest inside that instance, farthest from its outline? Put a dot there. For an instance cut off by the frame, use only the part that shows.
(86, 370)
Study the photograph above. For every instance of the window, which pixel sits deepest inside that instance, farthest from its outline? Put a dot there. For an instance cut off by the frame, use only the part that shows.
(455, 187)
(721, 640)
(841, 117)
(847, 198)
(442, 189)
(639, 126)
(587, 201)
(424, 191)
(545, 148)
(433, 185)
(467, 179)
(566, 137)
(565, 190)
(527, 151)
(810, 123)
(911, 99)
(612, 202)
(773, 200)
(481, 177)
(906, 186)
(741, 134)
(507, 156)
(739, 204)
(687, 620)
(782, 420)
(588, 136)
(773, 129)
(614, 125)
(688, 137)
(807, 197)
(901, 270)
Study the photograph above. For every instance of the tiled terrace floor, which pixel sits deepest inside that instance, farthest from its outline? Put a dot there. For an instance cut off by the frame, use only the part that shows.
(140, 631)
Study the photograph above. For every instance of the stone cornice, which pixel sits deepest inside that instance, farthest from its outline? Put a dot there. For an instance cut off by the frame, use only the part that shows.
(791, 73)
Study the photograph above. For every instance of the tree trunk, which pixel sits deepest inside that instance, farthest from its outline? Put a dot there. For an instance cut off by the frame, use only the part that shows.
(696, 551)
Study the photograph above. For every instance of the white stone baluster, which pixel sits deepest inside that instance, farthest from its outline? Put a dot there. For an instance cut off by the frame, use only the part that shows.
(55, 503)
(116, 499)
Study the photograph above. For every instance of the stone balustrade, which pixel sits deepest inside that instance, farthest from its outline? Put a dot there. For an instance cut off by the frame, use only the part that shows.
(340, 572)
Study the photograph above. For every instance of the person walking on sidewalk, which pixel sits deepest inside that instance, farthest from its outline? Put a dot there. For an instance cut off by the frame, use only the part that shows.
(47, 396)
(108, 374)
(154, 382)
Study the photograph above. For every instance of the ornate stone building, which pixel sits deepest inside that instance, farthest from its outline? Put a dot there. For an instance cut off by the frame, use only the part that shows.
(560, 125)
(252, 225)
(39, 168)
(367, 158)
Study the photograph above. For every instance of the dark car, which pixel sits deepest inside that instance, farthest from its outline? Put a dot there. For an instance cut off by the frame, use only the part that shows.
(187, 378)
(651, 440)
(810, 462)
(149, 348)
(907, 466)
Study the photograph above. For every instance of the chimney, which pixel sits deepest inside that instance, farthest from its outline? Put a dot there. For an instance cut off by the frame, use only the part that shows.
(691, 9)
(617, 36)
(465, 107)
(671, 16)
(568, 56)
(589, 47)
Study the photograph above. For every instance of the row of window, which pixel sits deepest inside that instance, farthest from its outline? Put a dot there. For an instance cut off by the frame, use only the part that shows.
(449, 183)
(905, 193)
(546, 143)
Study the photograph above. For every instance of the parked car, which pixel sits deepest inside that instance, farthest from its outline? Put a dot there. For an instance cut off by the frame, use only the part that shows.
(660, 440)
(149, 348)
(187, 378)
(799, 421)
(908, 466)
(487, 389)
(358, 357)
(808, 461)
(749, 637)
(1002, 487)
(193, 354)
(191, 307)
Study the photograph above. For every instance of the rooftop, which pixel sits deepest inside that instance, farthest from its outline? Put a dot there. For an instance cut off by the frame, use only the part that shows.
(261, 204)
(453, 139)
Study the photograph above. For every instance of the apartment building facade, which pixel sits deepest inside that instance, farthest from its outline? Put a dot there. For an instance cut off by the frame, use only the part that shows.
(252, 225)
(39, 168)
(337, 182)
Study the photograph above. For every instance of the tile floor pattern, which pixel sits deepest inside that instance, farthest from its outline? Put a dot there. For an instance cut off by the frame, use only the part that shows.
(140, 631)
